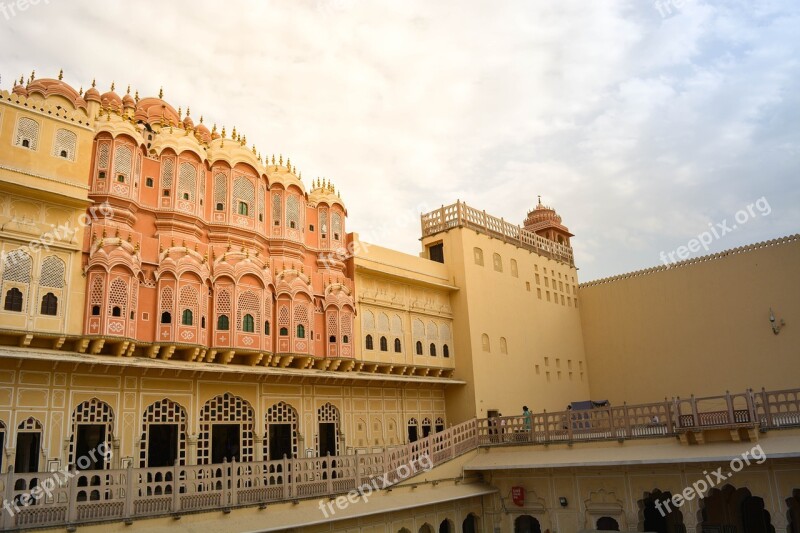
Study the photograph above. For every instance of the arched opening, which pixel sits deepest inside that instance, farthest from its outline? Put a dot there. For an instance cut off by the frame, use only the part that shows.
(95, 310)
(368, 342)
(92, 422)
(163, 435)
(187, 319)
(29, 446)
(658, 516)
(328, 424)
(266, 327)
(413, 430)
(419, 347)
(226, 430)
(301, 331)
(49, 304)
(248, 324)
(426, 528)
(166, 317)
(433, 350)
(734, 509)
(426, 427)
(446, 526)
(470, 524)
(445, 351)
(606, 523)
(397, 346)
(527, 524)
(793, 514)
(13, 300)
(281, 432)
(384, 344)
(223, 323)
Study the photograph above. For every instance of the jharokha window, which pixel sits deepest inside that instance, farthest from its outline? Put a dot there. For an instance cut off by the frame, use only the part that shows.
(13, 300)
(248, 325)
(223, 324)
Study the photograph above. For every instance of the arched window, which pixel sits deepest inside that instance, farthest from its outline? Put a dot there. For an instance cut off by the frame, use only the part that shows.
(27, 133)
(65, 143)
(332, 338)
(186, 318)
(384, 344)
(166, 317)
(485, 343)
(284, 332)
(301, 331)
(13, 300)
(345, 339)
(369, 342)
(243, 209)
(503, 345)
(203, 322)
(220, 206)
(49, 304)
(478, 253)
(266, 327)
(514, 269)
(397, 346)
(95, 310)
(445, 351)
(433, 349)
(498, 262)
(419, 347)
(248, 325)
(223, 323)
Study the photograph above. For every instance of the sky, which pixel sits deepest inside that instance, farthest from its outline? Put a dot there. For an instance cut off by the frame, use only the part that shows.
(645, 124)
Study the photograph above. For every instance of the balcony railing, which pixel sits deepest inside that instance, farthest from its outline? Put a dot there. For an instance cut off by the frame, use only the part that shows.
(74, 497)
(765, 410)
(460, 215)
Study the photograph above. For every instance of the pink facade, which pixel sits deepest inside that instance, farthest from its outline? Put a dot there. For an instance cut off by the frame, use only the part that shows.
(207, 250)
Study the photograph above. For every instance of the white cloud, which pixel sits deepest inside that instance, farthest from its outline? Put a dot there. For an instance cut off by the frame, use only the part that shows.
(638, 129)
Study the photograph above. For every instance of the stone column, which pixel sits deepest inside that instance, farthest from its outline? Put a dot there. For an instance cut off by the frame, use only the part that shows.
(191, 458)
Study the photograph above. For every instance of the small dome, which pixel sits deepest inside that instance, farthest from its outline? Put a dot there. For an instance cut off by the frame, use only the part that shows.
(128, 101)
(19, 89)
(188, 123)
(92, 95)
(202, 133)
(111, 99)
(153, 110)
(50, 87)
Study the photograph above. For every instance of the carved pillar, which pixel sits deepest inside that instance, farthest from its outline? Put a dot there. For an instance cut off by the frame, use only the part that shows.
(258, 442)
(192, 451)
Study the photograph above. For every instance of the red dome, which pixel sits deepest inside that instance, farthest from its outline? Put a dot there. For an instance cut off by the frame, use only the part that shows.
(152, 110)
(49, 87)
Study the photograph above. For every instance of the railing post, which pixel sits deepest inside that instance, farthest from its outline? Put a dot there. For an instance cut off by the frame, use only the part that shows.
(225, 496)
(546, 427)
(286, 486)
(459, 216)
(358, 470)
(729, 401)
(127, 512)
(695, 418)
(72, 494)
(767, 409)
(7, 520)
(234, 482)
(330, 472)
(751, 406)
(668, 414)
(628, 432)
(176, 487)
(568, 416)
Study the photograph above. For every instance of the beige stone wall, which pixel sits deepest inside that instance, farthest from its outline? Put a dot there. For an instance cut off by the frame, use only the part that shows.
(407, 298)
(371, 414)
(617, 492)
(700, 328)
(43, 200)
(518, 330)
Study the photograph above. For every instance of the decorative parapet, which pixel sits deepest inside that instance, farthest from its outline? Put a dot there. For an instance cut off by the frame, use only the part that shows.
(689, 262)
(460, 215)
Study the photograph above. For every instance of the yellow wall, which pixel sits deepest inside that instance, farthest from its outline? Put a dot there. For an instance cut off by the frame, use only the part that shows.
(544, 366)
(698, 328)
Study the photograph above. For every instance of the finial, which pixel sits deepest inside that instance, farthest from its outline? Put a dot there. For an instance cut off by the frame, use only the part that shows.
(223, 132)
(129, 89)
(136, 96)
(61, 74)
(21, 80)
(80, 92)
(294, 170)
(188, 111)
(233, 133)
(214, 129)
(244, 140)
(201, 119)
(273, 159)
(112, 86)
(161, 92)
(280, 159)
(254, 148)
(94, 82)
(33, 75)
(540, 199)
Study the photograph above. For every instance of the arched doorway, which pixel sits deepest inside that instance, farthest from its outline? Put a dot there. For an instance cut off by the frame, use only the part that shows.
(426, 528)
(281, 432)
(660, 518)
(793, 515)
(92, 423)
(527, 524)
(470, 524)
(328, 437)
(734, 509)
(606, 523)
(226, 430)
(446, 526)
(163, 435)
